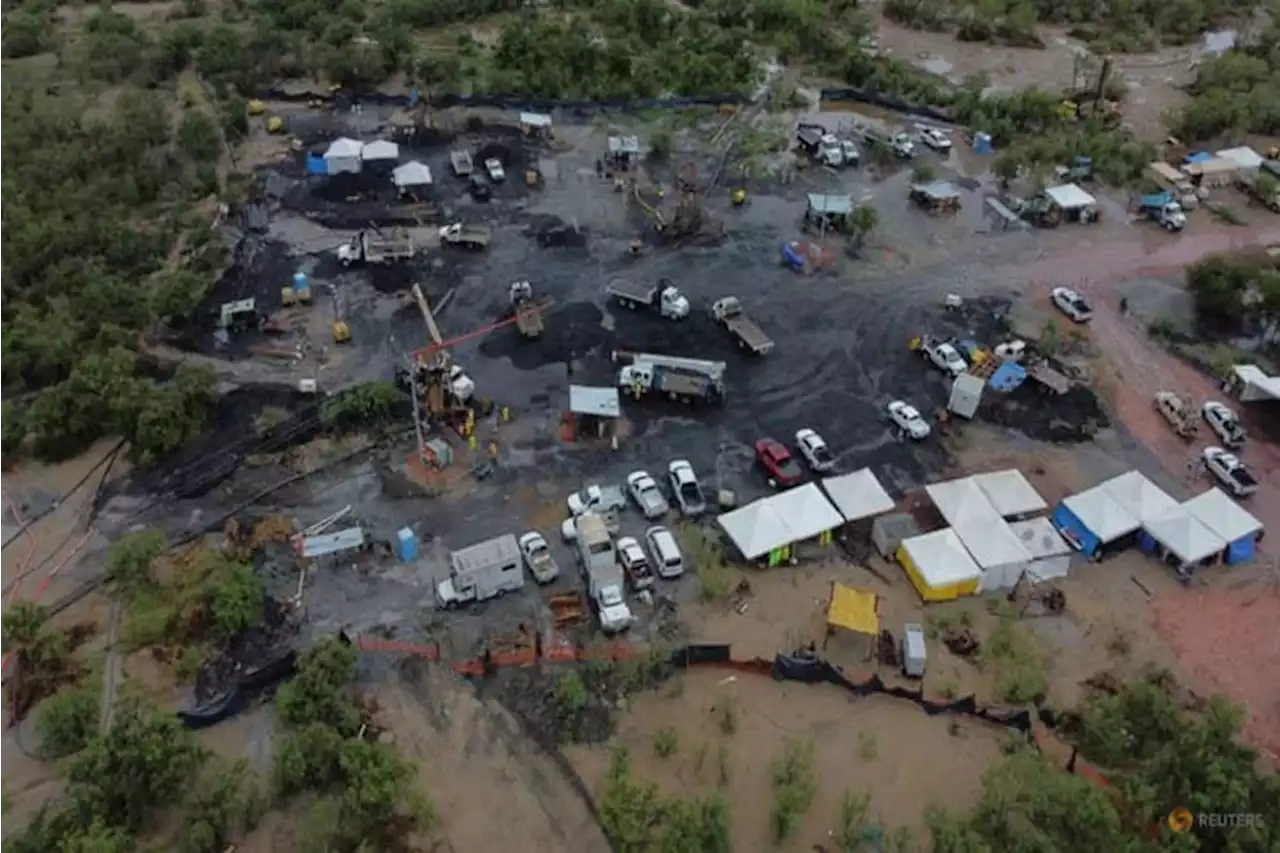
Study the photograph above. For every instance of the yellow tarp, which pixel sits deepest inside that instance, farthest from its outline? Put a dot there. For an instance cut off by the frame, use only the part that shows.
(853, 610)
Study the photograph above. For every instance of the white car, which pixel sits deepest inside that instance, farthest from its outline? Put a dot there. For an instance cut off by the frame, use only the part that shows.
(1230, 471)
(615, 616)
(1224, 422)
(1072, 304)
(635, 563)
(946, 358)
(686, 488)
(644, 491)
(537, 556)
(595, 498)
(1014, 350)
(935, 139)
(665, 552)
(494, 167)
(815, 450)
(907, 418)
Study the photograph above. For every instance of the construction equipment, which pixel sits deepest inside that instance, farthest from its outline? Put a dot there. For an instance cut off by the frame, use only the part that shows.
(275, 124)
(341, 331)
(256, 107)
(527, 315)
(738, 197)
(1178, 414)
(654, 215)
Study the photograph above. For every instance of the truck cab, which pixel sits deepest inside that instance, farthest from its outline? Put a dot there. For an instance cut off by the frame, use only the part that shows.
(672, 304)
(830, 151)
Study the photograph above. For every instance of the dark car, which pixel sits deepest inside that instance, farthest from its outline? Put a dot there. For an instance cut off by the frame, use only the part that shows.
(479, 187)
(778, 463)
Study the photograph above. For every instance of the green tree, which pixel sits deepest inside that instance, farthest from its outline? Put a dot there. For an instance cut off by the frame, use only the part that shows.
(317, 693)
(68, 721)
(130, 557)
(862, 221)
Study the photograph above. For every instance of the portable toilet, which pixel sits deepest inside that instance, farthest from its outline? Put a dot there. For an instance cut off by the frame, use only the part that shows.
(301, 286)
(406, 545)
(913, 650)
(316, 164)
(982, 142)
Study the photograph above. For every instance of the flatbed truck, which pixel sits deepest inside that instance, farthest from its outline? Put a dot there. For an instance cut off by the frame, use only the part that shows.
(729, 313)
(527, 314)
(473, 237)
(365, 248)
(664, 296)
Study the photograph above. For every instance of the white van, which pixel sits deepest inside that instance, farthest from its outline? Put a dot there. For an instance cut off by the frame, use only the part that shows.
(665, 551)
(488, 569)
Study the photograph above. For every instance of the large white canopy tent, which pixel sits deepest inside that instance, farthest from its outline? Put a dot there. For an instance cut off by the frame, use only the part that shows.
(1050, 553)
(780, 520)
(1184, 537)
(380, 150)
(806, 511)
(1101, 514)
(1223, 516)
(984, 533)
(939, 566)
(1140, 497)
(343, 155)
(858, 495)
(412, 174)
(1010, 492)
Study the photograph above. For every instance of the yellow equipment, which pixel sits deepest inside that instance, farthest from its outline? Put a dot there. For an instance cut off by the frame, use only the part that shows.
(288, 296)
(257, 108)
(739, 197)
(341, 332)
(275, 124)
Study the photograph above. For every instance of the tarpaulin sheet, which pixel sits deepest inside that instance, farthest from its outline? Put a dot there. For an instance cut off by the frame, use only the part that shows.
(853, 610)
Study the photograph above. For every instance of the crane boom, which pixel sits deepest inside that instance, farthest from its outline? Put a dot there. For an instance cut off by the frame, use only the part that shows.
(427, 316)
(431, 349)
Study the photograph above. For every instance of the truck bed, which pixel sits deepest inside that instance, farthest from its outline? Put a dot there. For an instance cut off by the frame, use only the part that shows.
(632, 290)
(471, 235)
(529, 320)
(751, 335)
(683, 384)
(1244, 479)
(1049, 378)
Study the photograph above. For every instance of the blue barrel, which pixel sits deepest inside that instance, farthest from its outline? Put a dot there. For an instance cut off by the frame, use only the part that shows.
(301, 286)
(316, 165)
(982, 142)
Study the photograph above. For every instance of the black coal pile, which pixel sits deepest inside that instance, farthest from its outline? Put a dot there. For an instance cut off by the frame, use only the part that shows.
(1075, 416)
(573, 332)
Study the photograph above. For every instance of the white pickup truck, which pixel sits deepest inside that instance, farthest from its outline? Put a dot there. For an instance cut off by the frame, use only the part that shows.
(1230, 471)
(597, 499)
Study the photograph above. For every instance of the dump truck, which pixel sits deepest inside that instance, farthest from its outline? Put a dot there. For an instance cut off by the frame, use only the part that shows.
(1261, 187)
(1178, 414)
(366, 248)
(729, 313)
(1164, 210)
(528, 316)
(473, 237)
(461, 163)
(663, 295)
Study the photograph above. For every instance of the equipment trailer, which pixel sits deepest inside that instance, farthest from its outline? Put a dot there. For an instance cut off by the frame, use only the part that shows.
(729, 313)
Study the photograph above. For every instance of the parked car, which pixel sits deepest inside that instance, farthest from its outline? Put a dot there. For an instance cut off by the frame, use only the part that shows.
(944, 356)
(635, 563)
(479, 187)
(686, 489)
(778, 463)
(935, 139)
(644, 491)
(665, 551)
(1230, 471)
(1072, 304)
(494, 167)
(907, 418)
(1224, 422)
(537, 556)
(596, 498)
(815, 450)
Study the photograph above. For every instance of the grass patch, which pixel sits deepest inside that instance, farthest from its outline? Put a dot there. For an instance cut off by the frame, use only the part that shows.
(665, 742)
(868, 746)
(1019, 667)
(794, 787)
(716, 578)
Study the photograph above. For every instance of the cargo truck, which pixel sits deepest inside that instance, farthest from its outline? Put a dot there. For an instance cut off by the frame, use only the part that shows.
(598, 561)
(488, 569)
(375, 249)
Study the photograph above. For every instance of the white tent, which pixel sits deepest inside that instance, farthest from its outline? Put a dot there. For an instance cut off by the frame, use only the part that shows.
(1222, 515)
(1185, 538)
(1254, 384)
(956, 498)
(1143, 499)
(858, 495)
(984, 533)
(756, 529)
(1050, 553)
(411, 174)
(1244, 157)
(806, 511)
(343, 155)
(1010, 492)
(381, 150)
(939, 566)
(1070, 197)
(1101, 514)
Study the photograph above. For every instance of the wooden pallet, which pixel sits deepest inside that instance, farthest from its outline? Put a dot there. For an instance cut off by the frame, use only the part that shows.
(984, 369)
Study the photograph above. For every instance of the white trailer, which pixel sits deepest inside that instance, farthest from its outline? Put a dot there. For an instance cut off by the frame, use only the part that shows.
(488, 569)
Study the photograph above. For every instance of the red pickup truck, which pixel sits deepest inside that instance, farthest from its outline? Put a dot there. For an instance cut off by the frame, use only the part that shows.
(778, 463)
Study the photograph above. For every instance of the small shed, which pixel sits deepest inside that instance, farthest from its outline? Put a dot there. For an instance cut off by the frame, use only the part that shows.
(1140, 497)
(757, 529)
(343, 155)
(1074, 203)
(889, 531)
(807, 513)
(858, 495)
(966, 395)
(411, 176)
(1230, 521)
(1245, 158)
(1010, 492)
(535, 124)
(594, 410)
(938, 566)
(936, 196)
(1092, 519)
(1050, 553)
(380, 151)
(623, 150)
(828, 210)
(1177, 537)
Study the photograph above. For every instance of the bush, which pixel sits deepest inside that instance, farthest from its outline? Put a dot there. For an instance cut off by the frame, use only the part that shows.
(371, 405)
(68, 721)
(794, 787)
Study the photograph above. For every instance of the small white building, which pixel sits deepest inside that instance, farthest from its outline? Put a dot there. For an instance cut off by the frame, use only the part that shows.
(343, 155)
(411, 175)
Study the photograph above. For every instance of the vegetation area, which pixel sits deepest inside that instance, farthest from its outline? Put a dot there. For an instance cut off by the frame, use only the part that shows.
(368, 406)
(1136, 27)
(1237, 293)
(637, 818)
(1237, 92)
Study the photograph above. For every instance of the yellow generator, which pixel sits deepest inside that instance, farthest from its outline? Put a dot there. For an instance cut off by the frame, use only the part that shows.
(257, 108)
(275, 124)
(341, 332)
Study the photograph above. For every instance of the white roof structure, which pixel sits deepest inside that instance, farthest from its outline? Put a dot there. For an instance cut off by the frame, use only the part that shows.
(806, 511)
(598, 401)
(412, 174)
(857, 495)
(1222, 515)
(1040, 538)
(1102, 514)
(1070, 197)
(332, 543)
(756, 529)
(1184, 537)
(1010, 492)
(1244, 156)
(343, 147)
(535, 119)
(941, 558)
(1143, 499)
(976, 522)
(1257, 384)
(380, 149)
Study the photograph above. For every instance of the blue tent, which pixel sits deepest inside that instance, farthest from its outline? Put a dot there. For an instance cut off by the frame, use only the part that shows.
(1092, 520)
